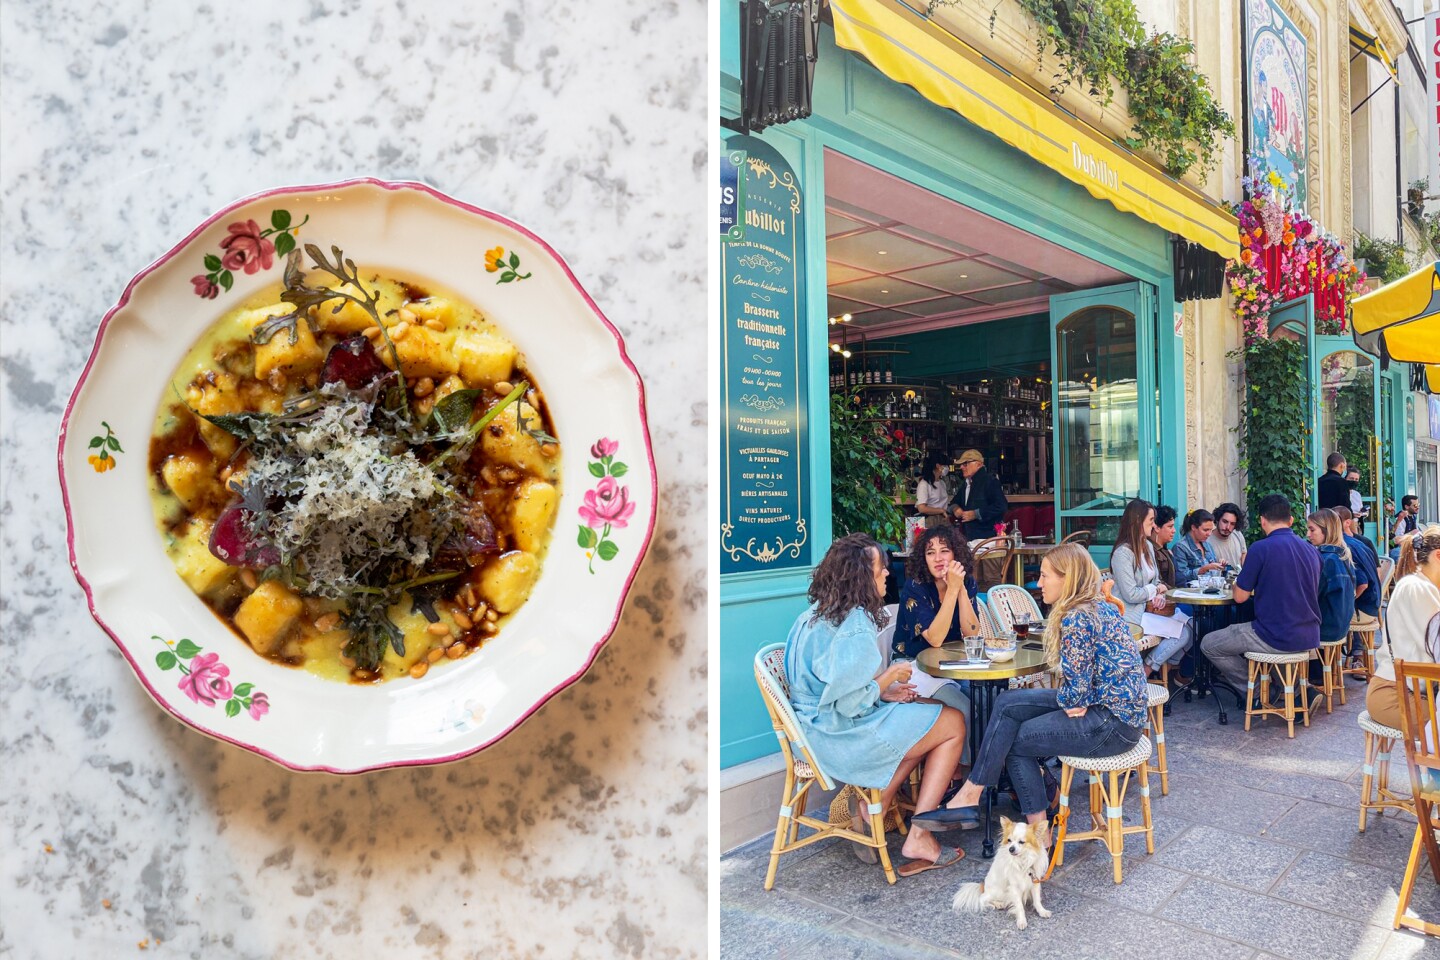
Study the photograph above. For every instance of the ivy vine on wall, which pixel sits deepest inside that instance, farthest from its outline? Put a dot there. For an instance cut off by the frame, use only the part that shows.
(1098, 42)
(1274, 439)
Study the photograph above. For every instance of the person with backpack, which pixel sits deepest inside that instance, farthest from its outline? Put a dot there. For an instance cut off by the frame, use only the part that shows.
(1337, 574)
(1411, 629)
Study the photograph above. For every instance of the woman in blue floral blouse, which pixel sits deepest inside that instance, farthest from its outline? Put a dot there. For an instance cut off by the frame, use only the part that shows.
(1098, 710)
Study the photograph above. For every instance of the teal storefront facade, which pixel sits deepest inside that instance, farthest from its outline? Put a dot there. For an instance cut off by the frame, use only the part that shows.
(860, 114)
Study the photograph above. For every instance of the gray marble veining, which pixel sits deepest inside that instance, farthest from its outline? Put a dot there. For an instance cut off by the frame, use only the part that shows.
(125, 124)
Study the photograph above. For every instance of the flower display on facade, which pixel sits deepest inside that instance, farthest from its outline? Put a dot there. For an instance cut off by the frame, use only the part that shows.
(1284, 254)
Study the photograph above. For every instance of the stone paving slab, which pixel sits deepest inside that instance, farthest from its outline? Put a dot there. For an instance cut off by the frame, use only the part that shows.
(1257, 856)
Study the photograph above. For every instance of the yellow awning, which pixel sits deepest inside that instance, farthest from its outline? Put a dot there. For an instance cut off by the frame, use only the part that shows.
(910, 49)
(1401, 320)
(1432, 378)
(1367, 43)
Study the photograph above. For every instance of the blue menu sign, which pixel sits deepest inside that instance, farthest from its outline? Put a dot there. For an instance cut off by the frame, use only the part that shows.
(764, 500)
(732, 193)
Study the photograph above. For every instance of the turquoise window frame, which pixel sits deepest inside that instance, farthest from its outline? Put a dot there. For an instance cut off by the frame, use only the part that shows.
(862, 115)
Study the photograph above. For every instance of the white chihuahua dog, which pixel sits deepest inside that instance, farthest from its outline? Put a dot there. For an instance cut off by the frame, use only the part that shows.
(1014, 874)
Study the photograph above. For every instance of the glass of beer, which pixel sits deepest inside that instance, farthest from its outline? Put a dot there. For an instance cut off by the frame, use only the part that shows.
(1022, 627)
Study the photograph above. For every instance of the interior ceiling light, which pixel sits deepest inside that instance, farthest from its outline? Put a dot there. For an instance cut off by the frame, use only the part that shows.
(845, 318)
(835, 347)
(845, 354)
(881, 252)
(884, 291)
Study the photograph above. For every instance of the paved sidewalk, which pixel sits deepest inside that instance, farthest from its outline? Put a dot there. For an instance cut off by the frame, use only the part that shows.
(1257, 855)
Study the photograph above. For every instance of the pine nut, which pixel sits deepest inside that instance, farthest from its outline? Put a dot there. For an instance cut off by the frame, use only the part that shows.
(491, 615)
(488, 628)
(435, 654)
(327, 623)
(406, 315)
(419, 668)
(425, 387)
(438, 628)
(347, 661)
(425, 404)
(399, 331)
(225, 474)
(371, 332)
(435, 325)
(455, 651)
(247, 577)
(504, 387)
(462, 621)
(549, 449)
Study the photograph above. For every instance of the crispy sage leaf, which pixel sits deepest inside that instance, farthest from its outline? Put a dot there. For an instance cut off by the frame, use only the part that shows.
(454, 411)
(243, 425)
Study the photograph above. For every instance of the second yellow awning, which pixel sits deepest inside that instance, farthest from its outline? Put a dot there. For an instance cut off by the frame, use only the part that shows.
(1401, 320)
(909, 48)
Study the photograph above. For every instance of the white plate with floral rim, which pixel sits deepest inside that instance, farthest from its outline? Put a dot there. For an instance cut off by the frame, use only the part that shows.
(190, 662)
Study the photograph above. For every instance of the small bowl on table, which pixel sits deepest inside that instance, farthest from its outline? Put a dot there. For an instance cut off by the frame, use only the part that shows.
(1002, 648)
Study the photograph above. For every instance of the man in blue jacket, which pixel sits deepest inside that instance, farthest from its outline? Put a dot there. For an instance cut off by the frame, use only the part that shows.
(1282, 573)
(979, 503)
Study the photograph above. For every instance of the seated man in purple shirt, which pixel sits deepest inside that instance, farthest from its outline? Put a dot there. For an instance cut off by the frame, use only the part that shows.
(1282, 572)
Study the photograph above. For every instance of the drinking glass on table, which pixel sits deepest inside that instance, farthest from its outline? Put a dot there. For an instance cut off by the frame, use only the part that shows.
(975, 648)
(1022, 627)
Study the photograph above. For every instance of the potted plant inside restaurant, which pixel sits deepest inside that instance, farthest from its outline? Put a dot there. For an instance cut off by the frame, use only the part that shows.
(866, 467)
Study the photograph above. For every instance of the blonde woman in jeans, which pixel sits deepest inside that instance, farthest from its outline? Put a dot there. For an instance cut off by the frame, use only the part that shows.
(1098, 710)
(1414, 600)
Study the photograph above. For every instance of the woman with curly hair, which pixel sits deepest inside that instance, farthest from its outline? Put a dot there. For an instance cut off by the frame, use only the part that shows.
(863, 722)
(937, 603)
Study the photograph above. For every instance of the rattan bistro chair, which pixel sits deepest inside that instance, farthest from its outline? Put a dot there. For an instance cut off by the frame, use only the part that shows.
(801, 771)
(1008, 603)
(1107, 801)
(1375, 792)
(1419, 685)
(992, 562)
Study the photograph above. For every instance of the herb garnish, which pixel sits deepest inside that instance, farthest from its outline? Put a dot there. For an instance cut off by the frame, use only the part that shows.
(346, 495)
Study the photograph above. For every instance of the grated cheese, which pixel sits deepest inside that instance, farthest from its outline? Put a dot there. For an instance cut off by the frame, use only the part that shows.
(353, 496)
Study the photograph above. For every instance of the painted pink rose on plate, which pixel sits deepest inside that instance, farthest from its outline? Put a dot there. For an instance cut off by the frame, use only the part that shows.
(205, 287)
(259, 705)
(607, 508)
(206, 683)
(609, 503)
(246, 248)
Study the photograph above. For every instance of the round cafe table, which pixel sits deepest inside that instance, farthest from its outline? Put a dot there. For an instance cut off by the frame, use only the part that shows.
(986, 682)
(1211, 612)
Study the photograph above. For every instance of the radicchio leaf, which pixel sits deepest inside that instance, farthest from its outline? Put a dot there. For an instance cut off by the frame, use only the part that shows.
(354, 362)
(232, 541)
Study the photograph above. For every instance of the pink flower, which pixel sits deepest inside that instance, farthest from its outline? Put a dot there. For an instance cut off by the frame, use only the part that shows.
(604, 447)
(206, 683)
(259, 705)
(607, 503)
(245, 249)
(204, 287)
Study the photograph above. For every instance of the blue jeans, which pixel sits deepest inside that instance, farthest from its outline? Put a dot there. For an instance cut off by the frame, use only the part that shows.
(1027, 725)
(1171, 650)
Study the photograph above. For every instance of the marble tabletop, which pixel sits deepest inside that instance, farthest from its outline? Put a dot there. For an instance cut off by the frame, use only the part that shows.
(122, 833)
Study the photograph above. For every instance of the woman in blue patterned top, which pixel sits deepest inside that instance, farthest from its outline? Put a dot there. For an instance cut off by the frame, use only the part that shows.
(1098, 710)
